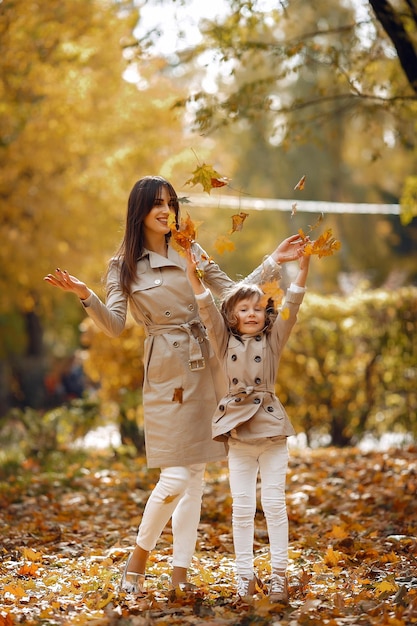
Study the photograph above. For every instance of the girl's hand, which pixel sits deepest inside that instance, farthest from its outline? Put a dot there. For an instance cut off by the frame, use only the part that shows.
(304, 261)
(66, 282)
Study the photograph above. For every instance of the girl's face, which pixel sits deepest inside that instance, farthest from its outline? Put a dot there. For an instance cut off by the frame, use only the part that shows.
(156, 221)
(250, 315)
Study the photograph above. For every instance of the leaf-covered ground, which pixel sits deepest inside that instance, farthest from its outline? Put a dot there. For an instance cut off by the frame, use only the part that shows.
(66, 533)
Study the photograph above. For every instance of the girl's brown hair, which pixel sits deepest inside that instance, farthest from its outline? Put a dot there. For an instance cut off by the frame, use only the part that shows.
(239, 292)
(141, 200)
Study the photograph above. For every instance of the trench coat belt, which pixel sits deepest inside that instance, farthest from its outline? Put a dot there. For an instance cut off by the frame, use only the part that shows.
(197, 334)
(241, 390)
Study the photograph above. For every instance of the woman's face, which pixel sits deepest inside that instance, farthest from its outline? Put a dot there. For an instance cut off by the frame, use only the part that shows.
(250, 315)
(156, 221)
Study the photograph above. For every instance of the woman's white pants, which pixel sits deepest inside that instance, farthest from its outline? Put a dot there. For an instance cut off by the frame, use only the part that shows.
(177, 494)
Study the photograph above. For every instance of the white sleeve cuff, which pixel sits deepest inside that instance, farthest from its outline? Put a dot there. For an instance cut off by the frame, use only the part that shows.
(297, 288)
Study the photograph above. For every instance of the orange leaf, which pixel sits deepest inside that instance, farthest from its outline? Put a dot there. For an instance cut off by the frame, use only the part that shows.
(237, 222)
(223, 244)
(28, 570)
(16, 590)
(219, 182)
(325, 245)
(31, 555)
(177, 395)
(301, 183)
(272, 291)
(182, 238)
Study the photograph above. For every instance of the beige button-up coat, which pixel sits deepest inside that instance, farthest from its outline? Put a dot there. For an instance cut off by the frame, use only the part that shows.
(250, 409)
(178, 358)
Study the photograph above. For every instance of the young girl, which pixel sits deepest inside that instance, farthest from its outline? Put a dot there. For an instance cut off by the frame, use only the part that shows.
(248, 340)
(181, 373)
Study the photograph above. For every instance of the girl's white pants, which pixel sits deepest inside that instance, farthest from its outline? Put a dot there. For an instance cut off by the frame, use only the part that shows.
(178, 495)
(270, 458)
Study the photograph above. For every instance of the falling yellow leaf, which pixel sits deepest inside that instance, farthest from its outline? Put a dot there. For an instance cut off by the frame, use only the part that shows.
(182, 238)
(317, 222)
(237, 222)
(301, 183)
(293, 209)
(207, 177)
(272, 291)
(223, 244)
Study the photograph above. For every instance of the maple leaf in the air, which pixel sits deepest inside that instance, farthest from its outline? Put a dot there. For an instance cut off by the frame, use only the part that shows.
(324, 245)
(237, 221)
(182, 238)
(301, 183)
(206, 176)
(272, 291)
(223, 244)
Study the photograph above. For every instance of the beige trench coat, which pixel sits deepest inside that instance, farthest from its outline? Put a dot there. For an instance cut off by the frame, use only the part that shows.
(178, 359)
(250, 409)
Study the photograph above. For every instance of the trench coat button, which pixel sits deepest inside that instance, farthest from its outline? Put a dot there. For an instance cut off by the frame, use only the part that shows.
(257, 401)
(234, 357)
(238, 399)
(257, 381)
(167, 313)
(258, 338)
(221, 407)
(191, 307)
(270, 409)
(235, 381)
(157, 281)
(175, 344)
(257, 359)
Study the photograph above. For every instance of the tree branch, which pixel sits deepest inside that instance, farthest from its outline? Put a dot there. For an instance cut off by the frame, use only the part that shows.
(394, 28)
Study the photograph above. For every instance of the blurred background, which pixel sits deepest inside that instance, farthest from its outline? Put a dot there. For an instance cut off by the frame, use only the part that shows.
(96, 94)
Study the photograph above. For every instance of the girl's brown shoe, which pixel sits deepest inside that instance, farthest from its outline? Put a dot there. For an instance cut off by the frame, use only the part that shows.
(278, 589)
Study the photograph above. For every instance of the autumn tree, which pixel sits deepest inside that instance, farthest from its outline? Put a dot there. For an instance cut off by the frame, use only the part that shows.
(74, 136)
(349, 66)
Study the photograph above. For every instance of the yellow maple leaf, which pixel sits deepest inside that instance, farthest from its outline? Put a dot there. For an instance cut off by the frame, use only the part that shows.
(16, 590)
(272, 291)
(31, 555)
(324, 245)
(237, 221)
(333, 557)
(223, 244)
(207, 177)
(338, 532)
(183, 237)
(386, 586)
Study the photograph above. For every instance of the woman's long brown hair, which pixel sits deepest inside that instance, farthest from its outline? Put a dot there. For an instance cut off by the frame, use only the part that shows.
(141, 200)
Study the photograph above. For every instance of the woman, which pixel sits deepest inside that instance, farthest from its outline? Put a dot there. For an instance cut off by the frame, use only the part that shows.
(182, 380)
